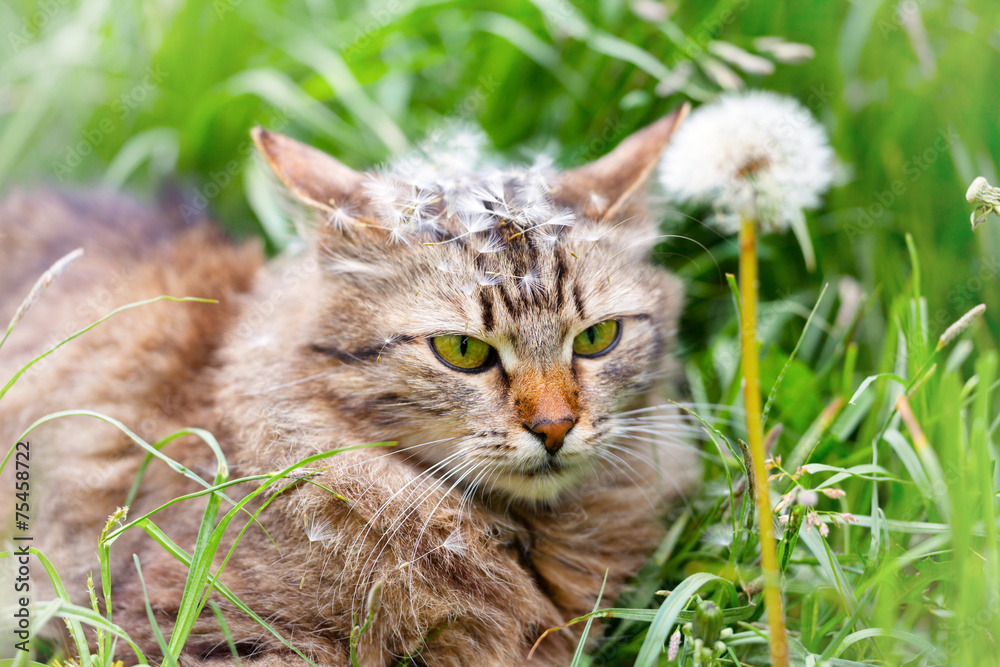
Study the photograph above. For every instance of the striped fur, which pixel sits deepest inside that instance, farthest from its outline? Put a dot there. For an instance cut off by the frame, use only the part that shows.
(477, 537)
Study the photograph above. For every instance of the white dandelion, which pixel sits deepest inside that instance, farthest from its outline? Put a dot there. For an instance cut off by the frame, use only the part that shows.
(756, 155)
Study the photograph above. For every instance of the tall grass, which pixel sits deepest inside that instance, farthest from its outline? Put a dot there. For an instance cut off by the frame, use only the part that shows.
(139, 94)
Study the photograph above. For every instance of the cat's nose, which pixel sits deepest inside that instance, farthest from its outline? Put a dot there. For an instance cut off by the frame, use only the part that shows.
(553, 432)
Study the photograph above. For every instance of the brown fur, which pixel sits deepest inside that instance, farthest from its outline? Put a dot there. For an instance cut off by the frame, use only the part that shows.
(288, 364)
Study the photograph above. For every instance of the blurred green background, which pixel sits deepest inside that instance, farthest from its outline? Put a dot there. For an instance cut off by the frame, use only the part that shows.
(132, 93)
(147, 95)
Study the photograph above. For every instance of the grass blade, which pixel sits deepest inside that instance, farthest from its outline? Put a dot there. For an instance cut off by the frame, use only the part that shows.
(669, 612)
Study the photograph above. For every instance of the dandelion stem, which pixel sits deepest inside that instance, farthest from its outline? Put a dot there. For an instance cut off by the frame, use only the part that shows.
(755, 435)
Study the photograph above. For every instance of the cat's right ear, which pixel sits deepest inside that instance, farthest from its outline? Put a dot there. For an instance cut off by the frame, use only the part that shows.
(311, 176)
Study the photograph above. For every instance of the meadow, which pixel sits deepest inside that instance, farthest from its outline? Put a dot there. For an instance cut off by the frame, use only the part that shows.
(903, 567)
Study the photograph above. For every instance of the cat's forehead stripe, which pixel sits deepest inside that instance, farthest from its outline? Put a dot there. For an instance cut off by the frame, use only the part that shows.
(486, 309)
(557, 289)
(578, 301)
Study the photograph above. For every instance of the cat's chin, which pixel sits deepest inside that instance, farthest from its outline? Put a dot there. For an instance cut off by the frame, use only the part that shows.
(544, 485)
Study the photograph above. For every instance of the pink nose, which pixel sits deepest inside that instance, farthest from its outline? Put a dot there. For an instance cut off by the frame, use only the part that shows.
(553, 431)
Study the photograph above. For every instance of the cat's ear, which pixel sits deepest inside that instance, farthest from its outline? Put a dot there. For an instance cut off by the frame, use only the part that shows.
(607, 188)
(311, 176)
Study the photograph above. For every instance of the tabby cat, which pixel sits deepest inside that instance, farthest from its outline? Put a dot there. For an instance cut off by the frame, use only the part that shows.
(503, 326)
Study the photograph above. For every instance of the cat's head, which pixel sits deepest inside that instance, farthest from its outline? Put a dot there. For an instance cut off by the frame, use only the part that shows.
(496, 321)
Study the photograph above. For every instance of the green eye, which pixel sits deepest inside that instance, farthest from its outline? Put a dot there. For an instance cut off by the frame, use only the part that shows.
(462, 352)
(597, 339)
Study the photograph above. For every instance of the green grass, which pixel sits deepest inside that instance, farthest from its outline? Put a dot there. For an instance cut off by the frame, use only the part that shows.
(137, 95)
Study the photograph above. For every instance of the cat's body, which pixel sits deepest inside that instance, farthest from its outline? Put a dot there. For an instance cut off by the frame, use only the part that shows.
(513, 486)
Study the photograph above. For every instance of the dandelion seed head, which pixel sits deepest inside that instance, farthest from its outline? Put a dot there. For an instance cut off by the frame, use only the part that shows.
(340, 217)
(718, 535)
(490, 244)
(318, 530)
(546, 238)
(455, 543)
(755, 154)
(531, 283)
(487, 279)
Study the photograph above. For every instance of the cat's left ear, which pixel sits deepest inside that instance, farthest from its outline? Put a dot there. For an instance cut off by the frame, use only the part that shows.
(609, 187)
(313, 177)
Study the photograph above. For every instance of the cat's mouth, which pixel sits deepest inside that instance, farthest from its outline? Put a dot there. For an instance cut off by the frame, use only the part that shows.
(549, 467)
(544, 481)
